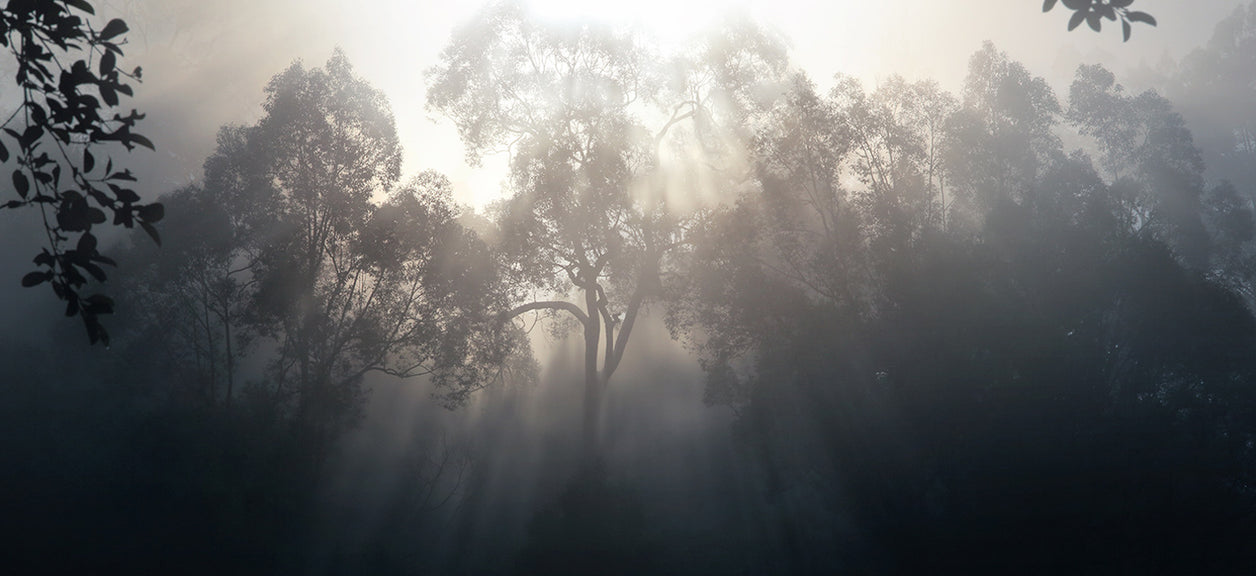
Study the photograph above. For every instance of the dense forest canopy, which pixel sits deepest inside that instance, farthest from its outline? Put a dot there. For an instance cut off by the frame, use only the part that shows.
(727, 315)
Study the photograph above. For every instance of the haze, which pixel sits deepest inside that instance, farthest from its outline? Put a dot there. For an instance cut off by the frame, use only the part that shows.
(651, 287)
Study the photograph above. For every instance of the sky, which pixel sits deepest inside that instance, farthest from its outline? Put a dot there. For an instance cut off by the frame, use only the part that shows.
(206, 63)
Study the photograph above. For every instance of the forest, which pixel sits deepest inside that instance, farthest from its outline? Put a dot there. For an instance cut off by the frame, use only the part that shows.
(726, 316)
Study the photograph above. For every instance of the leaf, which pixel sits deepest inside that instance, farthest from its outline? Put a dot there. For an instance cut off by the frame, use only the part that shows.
(30, 135)
(142, 141)
(1125, 28)
(100, 304)
(86, 244)
(89, 161)
(152, 212)
(38, 114)
(21, 184)
(1076, 20)
(35, 279)
(1120, 3)
(81, 5)
(113, 28)
(152, 232)
(4, 153)
(1143, 17)
(109, 95)
(1048, 5)
(1095, 20)
(96, 271)
(107, 63)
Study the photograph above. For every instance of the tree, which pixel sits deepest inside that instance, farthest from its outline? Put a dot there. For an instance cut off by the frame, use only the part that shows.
(1000, 138)
(288, 244)
(69, 77)
(587, 117)
(1043, 341)
(1150, 155)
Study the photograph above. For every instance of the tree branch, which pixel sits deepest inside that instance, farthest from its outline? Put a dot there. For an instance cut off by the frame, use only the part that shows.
(546, 305)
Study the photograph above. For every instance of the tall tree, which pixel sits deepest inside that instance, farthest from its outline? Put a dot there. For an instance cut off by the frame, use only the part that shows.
(586, 117)
(1150, 152)
(302, 239)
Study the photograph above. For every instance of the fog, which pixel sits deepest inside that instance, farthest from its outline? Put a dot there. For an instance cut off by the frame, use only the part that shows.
(652, 288)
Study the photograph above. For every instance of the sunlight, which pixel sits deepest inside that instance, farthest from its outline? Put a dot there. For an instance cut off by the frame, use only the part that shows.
(668, 19)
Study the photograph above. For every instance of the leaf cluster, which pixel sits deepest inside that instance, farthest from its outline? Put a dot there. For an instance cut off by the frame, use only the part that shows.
(1094, 12)
(70, 81)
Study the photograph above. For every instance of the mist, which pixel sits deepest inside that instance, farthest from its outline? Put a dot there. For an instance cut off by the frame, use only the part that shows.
(549, 288)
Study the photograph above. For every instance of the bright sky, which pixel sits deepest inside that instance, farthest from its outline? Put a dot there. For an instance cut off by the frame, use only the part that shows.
(214, 58)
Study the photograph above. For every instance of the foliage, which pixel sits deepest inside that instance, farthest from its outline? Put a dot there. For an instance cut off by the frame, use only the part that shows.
(1056, 357)
(1094, 12)
(586, 113)
(70, 80)
(302, 253)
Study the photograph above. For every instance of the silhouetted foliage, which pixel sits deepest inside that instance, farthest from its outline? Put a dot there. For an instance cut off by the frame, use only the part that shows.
(1094, 12)
(70, 80)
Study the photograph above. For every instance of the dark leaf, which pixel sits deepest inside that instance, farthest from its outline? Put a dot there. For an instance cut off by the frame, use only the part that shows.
(35, 279)
(1047, 5)
(21, 184)
(89, 161)
(99, 304)
(86, 244)
(1143, 17)
(113, 28)
(81, 5)
(1076, 20)
(4, 153)
(109, 95)
(1125, 29)
(96, 271)
(151, 231)
(1095, 20)
(107, 63)
(32, 133)
(152, 212)
(142, 141)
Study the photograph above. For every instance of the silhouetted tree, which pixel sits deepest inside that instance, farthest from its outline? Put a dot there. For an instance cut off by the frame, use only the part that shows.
(287, 245)
(584, 113)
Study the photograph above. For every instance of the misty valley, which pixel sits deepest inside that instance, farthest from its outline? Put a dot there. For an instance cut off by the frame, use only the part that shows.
(680, 305)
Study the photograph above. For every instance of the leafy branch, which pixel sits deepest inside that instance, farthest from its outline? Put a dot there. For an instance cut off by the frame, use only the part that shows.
(1094, 12)
(63, 117)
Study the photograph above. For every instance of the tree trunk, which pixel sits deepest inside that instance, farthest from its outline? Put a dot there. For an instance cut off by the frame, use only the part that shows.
(592, 383)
